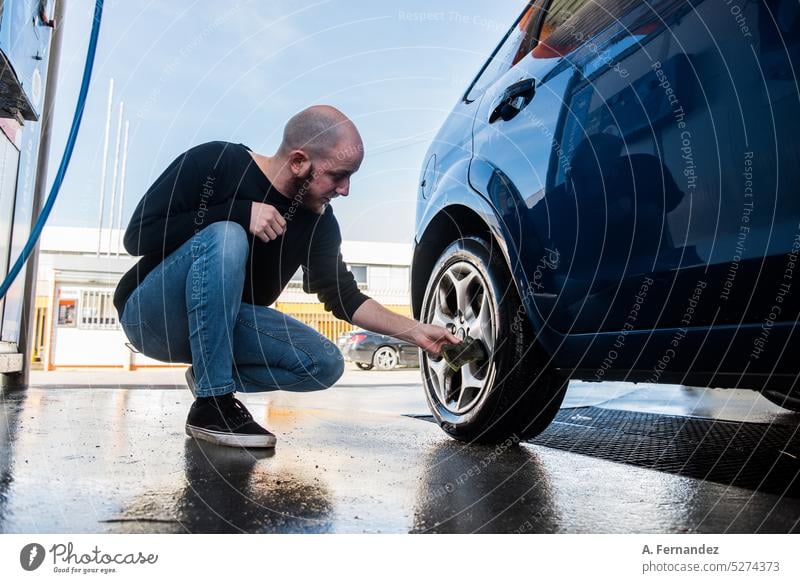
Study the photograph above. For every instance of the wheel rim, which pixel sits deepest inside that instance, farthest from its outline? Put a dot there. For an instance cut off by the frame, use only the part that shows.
(462, 303)
(385, 358)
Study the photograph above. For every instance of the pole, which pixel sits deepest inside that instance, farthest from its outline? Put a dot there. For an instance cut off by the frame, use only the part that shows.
(114, 176)
(122, 184)
(105, 163)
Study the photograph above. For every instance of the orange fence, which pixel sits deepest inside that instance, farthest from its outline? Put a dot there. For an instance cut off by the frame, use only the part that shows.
(325, 323)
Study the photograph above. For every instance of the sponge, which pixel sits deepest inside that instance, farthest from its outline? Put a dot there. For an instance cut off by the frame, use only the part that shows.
(466, 351)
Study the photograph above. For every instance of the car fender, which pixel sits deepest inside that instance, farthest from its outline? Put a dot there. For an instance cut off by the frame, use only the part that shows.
(456, 199)
(452, 209)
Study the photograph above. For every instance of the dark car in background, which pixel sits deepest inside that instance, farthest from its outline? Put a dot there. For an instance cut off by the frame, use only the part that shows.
(369, 350)
(616, 197)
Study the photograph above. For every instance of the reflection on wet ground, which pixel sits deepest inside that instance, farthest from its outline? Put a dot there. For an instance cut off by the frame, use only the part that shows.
(348, 460)
(484, 489)
(228, 491)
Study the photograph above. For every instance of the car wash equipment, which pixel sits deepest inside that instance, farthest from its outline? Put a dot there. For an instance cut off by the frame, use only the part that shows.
(466, 351)
(36, 231)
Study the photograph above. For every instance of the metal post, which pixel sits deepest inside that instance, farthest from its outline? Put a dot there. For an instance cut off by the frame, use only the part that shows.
(105, 163)
(114, 177)
(122, 187)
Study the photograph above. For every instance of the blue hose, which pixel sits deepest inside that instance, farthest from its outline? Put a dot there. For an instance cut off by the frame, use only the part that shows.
(62, 168)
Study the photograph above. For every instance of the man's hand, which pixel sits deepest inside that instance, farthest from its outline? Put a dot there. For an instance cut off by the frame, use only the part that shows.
(373, 316)
(266, 222)
(431, 338)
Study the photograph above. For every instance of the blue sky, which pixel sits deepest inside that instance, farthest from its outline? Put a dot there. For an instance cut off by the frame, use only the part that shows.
(190, 72)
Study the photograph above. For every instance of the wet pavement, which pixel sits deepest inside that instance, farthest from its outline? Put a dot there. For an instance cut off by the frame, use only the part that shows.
(114, 459)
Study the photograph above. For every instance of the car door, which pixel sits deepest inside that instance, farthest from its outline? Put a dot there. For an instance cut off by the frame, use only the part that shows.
(736, 154)
(614, 205)
(513, 142)
(693, 131)
(564, 148)
(618, 184)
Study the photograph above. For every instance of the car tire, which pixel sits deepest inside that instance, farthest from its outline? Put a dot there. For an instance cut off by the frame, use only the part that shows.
(514, 393)
(364, 365)
(385, 358)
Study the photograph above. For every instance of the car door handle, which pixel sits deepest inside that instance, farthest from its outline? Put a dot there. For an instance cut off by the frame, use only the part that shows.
(514, 99)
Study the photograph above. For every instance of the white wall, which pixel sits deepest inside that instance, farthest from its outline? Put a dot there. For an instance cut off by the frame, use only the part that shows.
(77, 347)
(73, 346)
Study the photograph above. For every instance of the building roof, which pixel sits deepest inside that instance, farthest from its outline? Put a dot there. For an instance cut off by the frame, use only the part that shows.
(85, 240)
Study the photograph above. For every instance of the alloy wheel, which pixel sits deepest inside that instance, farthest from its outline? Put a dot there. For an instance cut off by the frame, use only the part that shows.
(462, 303)
(385, 358)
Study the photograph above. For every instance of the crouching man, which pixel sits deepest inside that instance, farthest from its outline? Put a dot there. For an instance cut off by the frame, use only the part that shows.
(221, 232)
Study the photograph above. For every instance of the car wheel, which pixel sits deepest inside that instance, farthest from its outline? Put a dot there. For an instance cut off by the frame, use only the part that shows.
(385, 358)
(513, 393)
(364, 365)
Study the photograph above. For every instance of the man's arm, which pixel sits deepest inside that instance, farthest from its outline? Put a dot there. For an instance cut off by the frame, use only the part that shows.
(325, 272)
(376, 318)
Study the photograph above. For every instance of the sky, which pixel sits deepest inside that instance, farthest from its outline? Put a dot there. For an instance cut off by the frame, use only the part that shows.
(192, 72)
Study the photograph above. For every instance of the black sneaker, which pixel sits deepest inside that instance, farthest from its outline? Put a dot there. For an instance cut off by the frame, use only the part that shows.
(225, 421)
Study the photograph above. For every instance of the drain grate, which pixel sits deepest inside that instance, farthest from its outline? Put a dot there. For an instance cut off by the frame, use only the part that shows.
(756, 456)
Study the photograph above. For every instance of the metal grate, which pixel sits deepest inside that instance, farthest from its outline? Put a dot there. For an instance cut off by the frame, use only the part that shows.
(756, 456)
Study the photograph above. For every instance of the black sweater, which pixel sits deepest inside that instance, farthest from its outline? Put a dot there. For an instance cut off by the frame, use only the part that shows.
(218, 181)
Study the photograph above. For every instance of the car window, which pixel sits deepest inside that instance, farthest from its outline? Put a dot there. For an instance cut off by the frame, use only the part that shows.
(562, 27)
(623, 108)
(565, 26)
(518, 42)
(568, 25)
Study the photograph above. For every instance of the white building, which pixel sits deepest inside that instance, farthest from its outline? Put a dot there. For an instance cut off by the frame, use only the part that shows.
(79, 269)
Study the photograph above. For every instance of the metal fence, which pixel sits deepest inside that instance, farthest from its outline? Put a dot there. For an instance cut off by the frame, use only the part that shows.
(314, 315)
(97, 311)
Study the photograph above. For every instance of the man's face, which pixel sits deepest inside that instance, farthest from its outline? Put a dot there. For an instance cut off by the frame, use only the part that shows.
(328, 176)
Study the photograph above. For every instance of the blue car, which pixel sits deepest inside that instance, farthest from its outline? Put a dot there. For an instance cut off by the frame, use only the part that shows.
(616, 197)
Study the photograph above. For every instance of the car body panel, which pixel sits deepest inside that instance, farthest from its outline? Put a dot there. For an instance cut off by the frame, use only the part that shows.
(682, 267)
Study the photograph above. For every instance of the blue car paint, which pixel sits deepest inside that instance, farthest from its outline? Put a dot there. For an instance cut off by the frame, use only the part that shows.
(646, 293)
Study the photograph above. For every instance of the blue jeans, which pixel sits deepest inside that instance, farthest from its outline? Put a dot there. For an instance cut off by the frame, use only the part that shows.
(189, 309)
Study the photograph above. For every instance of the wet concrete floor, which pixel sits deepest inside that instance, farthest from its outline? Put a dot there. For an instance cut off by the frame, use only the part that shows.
(115, 459)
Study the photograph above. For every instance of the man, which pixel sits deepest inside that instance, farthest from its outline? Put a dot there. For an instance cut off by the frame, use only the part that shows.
(221, 232)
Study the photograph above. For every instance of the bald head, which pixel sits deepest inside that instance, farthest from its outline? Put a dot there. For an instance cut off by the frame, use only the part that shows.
(320, 151)
(318, 130)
